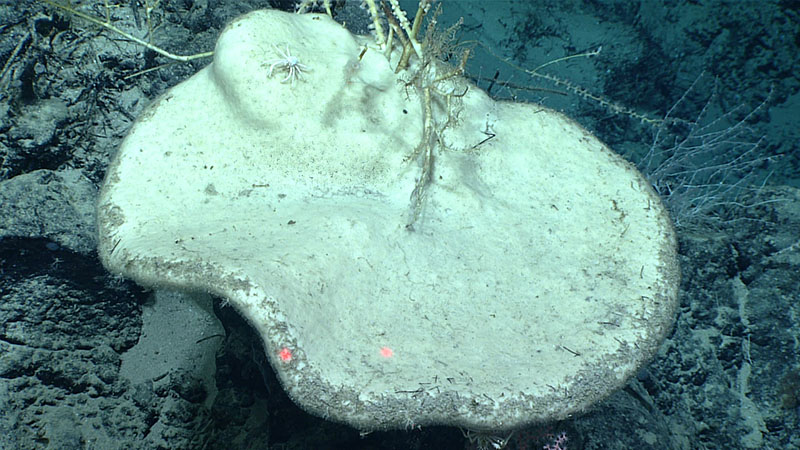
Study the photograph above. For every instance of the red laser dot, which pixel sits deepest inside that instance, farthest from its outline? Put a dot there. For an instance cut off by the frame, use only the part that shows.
(285, 354)
(386, 352)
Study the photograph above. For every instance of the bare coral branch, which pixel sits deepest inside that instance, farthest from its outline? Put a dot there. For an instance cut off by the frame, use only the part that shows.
(109, 26)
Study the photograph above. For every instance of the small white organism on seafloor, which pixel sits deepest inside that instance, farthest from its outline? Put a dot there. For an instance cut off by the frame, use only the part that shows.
(290, 63)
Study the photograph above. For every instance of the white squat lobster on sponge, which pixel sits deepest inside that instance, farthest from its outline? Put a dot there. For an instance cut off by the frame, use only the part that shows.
(289, 63)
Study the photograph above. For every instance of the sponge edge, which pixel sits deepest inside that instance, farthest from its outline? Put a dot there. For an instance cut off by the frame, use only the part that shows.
(541, 276)
(244, 54)
(350, 103)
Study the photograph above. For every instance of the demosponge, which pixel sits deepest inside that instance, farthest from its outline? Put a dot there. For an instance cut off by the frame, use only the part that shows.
(540, 275)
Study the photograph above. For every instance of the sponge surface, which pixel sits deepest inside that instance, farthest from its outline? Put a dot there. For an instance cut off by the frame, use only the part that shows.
(539, 277)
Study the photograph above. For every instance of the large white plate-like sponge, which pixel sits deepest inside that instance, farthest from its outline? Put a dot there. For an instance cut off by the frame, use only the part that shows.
(539, 274)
